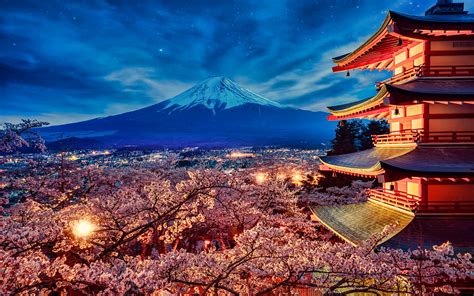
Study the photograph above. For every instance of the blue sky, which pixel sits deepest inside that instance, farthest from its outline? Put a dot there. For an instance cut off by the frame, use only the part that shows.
(64, 61)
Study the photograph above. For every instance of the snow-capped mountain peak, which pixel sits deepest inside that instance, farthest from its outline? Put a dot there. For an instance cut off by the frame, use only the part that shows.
(218, 93)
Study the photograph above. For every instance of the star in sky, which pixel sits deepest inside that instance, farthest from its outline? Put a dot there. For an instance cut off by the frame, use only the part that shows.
(63, 61)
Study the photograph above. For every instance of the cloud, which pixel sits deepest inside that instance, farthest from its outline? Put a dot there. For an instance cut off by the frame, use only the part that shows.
(317, 86)
(143, 81)
(97, 58)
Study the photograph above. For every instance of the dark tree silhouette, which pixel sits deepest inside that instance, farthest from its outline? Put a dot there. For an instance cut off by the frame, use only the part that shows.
(374, 127)
(354, 135)
(346, 137)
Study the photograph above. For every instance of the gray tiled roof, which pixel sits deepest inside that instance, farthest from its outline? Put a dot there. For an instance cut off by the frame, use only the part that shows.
(365, 159)
(348, 105)
(426, 231)
(428, 159)
(429, 88)
(358, 222)
(452, 160)
(456, 18)
(436, 87)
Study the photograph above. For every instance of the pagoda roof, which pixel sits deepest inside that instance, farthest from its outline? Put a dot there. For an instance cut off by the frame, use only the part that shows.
(399, 31)
(366, 162)
(434, 21)
(367, 103)
(356, 223)
(429, 89)
(419, 89)
(361, 106)
(434, 160)
(427, 231)
(422, 161)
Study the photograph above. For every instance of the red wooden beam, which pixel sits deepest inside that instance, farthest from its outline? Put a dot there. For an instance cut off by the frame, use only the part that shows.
(361, 114)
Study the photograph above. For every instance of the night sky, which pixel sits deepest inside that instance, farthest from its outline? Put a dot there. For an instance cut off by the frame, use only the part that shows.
(64, 61)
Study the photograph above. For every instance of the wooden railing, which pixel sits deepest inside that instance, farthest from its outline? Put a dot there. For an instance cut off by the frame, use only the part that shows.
(406, 75)
(447, 206)
(447, 71)
(402, 137)
(421, 136)
(432, 71)
(446, 137)
(395, 198)
(413, 203)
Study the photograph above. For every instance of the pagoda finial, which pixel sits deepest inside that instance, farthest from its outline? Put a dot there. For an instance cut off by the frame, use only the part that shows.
(446, 7)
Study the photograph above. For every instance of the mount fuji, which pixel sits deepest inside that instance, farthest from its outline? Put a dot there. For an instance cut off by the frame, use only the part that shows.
(214, 113)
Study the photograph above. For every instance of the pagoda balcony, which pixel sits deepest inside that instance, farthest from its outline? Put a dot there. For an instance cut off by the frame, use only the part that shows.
(395, 198)
(446, 206)
(431, 71)
(407, 137)
(412, 137)
(413, 203)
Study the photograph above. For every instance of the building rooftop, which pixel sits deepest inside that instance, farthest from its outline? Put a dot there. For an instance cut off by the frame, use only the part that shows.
(359, 105)
(436, 160)
(427, 231)
(430, 88)
(464, 19)
(420, 161)
(401, 30)
(367, 162)
(423, 88)
(356, 223)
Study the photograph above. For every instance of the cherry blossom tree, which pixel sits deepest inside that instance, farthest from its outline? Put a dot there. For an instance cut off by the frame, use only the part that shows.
(356, 193)
(166, 231)
(14, 136)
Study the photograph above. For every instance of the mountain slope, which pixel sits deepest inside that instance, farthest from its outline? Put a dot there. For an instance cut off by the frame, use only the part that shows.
(216, 112)
(218, 93)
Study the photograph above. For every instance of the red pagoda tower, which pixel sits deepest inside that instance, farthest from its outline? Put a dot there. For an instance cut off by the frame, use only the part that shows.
(426, 163)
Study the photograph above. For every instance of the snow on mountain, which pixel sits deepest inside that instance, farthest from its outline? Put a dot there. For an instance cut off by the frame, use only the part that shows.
(218, 93)
(215, 113)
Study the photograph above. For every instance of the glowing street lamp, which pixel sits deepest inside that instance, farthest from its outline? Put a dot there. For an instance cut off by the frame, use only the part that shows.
(83, 228)
(281, 177)
(297, 179)
(207, 244)
(260, 178)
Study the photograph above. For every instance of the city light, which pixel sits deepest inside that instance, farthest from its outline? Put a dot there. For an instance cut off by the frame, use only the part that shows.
(281, 176)
(237, 154)
(83, 228)
(260, 178)
(297, 179)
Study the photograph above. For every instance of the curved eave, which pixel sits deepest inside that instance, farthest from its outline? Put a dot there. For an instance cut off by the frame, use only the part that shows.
(359, 106)
(356, 223)
(424, 173)
(444, 160)
(436, 22)
(401, 26)
(425, 231)
(399, 95)
(363, 163)
(372, 171)
(371, 41)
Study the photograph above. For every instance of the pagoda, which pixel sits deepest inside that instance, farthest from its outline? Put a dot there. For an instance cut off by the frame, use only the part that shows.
(425, 165)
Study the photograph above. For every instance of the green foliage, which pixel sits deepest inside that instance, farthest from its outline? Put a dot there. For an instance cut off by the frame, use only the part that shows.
(374, 127)
(354, 135)
(345, 138)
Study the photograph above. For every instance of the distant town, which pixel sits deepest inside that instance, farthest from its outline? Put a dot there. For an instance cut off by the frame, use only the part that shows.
(218, 190)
